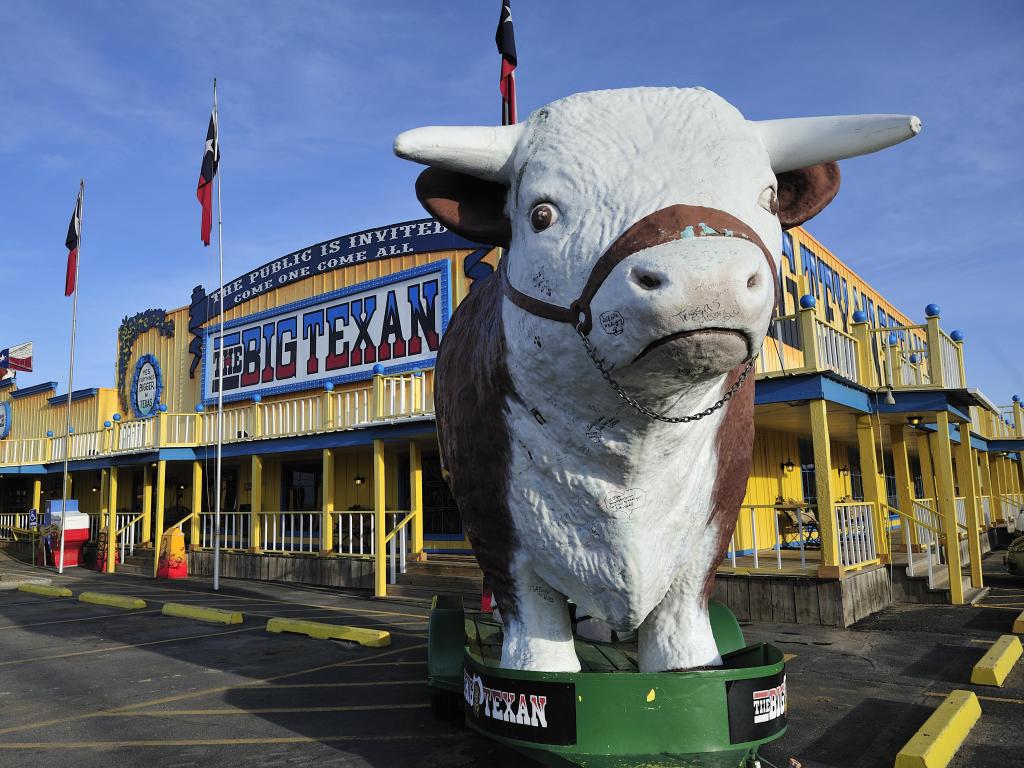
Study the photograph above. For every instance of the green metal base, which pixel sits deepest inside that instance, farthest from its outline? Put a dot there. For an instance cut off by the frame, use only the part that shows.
(610, 715)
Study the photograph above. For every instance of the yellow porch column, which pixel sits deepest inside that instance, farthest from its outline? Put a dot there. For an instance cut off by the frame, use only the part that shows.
(112, 520)
(904, 483)
(942, 456)
(968, 489)
(380, 571)
(197, 503)
(985, 472)
(104, 501)
(327, 519)
(416, 498)
(998, 489)
(256, 505)
(830, 564)
(874, 485)
(924, 454)
(37, 494)
(161, 484)
(147, 506)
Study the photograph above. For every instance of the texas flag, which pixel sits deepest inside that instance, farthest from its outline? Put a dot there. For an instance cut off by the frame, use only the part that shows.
(74, 235)
(211, 159)
(505, 38)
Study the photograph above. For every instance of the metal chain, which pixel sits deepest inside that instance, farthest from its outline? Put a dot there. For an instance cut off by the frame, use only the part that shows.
(599, 364)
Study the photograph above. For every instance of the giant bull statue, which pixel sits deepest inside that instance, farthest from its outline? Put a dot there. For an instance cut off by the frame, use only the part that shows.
(594, 396)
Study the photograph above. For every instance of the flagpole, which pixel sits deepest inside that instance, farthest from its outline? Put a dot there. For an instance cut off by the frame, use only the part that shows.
(220, 365)
(80, 212)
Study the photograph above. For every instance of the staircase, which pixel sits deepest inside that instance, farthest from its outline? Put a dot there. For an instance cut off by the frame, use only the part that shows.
(916, 588)
(139, 564)
(458, 575)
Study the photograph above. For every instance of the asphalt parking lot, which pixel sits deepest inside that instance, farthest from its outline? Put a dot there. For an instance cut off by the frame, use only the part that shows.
(93, 686)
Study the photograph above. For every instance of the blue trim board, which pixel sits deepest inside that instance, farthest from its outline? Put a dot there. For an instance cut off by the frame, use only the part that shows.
(811, 387)
(34, 389)
(78, 394)
(444, 537)
(1014, 445)
(7, 383)
(26, 469)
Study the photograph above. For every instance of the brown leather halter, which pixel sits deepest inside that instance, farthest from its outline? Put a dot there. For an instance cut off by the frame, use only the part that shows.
(676, 222)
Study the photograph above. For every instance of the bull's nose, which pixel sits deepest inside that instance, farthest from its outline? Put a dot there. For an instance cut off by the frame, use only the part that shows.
(648, 279)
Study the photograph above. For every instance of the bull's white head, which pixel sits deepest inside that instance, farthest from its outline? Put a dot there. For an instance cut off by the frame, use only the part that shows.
(647, 217)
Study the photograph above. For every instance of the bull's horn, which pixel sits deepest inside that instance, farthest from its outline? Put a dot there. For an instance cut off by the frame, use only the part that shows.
(805, 141)
(479, 151)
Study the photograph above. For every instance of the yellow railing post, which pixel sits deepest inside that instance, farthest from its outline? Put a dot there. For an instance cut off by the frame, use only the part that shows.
(257, 419)
(112, 520)
(147, 505)
(160, 438)
(934, 346)
(1018, 418)
(327, 411)
(874, 485)
(861, 331)
(197, 503)
(197, 425)
(48, 455)
(830, 565)
(904, 484)
(161, 483)
(327, 519)
(942, 458)
(416, 498)
(960, 361)
(969, 490)
(105, 439)
(256, 505)
(380, 570)
(37, 493)
(808, 332)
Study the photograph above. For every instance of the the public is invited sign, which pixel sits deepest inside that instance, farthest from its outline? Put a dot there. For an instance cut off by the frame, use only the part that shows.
(395, 321)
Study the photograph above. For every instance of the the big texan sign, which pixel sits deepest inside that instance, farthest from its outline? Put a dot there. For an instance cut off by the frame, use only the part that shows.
(395, 321)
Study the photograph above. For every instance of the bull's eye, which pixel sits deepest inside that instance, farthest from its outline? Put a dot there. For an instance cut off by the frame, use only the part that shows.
(543, 216)
(769, 200)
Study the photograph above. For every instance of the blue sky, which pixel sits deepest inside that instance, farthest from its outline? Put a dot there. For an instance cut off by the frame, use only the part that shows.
(312, 94)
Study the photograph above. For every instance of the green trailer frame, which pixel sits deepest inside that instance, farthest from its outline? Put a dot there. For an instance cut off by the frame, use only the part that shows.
(609, 715)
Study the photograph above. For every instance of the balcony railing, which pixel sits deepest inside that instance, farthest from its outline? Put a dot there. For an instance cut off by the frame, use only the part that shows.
(386, 398)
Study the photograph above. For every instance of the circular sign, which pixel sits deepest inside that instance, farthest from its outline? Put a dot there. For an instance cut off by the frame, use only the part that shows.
(146, 386)
(5, 419)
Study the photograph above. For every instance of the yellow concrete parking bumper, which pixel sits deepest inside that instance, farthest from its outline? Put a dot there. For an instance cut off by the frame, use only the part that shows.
(213, 615)
(1018, 624)
(113, 601)
(44, 590)
(997, 662)
(934, 745)
(371, 638)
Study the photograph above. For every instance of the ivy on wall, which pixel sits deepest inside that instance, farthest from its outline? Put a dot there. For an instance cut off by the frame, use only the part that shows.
(129, 332)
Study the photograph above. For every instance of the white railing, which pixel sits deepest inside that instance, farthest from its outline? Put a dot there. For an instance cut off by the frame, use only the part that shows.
(837, 351)
(406, 395)
(961, 511)
(131, 535)
(855, 530)
(927, 527)
(771, 530)
(236, 425)
(178, 429)
(355, 536)
(352, 407)
(9, 521)
(135, 435)
(290, 532)
(292, 417)
(86, 444)
(235, 529)
(781, 350)
(986, 511)
(912, 372)
(950, 351)
(28, 451)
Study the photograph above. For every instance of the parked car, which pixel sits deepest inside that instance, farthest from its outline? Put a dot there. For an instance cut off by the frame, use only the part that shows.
(1014, 557)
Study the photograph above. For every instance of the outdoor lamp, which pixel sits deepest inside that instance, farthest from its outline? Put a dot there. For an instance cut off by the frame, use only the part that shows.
(844, 471)
(913, 420)
(788, 466)
(359, 480)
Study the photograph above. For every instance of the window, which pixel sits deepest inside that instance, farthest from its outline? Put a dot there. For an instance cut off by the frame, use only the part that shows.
(440, 512)
(807, 472)
(301, 487)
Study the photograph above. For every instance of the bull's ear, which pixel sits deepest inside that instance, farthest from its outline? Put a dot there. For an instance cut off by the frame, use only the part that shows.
(805, 192)
(468, 206)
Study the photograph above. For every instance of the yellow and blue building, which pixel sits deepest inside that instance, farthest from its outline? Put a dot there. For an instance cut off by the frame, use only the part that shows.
(879, 472)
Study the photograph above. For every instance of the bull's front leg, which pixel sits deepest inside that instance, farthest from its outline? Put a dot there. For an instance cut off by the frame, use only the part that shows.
(538, 634)
(677, 634)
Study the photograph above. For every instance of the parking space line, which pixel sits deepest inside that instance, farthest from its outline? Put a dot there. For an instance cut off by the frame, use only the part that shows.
(228, 742)
(219, 689)
(95, 617)
(124, 647)
(229, 711)
(1002, 699)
